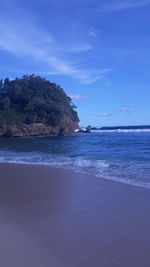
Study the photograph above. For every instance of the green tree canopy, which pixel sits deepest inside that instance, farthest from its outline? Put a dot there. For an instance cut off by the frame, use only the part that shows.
(33, 99)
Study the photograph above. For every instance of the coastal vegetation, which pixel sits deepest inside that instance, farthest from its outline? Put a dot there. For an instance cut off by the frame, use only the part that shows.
(34, 101)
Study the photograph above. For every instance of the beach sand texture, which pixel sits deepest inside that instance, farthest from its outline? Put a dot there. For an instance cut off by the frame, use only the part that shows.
(56, 218)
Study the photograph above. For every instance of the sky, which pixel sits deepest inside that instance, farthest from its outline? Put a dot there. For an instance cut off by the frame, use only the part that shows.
(98, 51)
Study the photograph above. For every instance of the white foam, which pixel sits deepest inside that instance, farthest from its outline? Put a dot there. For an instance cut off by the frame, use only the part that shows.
(90, 163)
(122, 131)
(127, 174)
(42, 159)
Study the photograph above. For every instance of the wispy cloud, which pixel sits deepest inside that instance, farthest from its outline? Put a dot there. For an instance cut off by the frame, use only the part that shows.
(120, 5)
(76, 97)
(93, 32)
(123, 109)
(105, 114)
(129, 110)
(25, 39)
(73, 48)
(92, 76)
(107, 83)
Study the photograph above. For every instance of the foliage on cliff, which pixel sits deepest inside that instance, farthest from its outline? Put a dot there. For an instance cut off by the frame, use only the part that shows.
(33, 99)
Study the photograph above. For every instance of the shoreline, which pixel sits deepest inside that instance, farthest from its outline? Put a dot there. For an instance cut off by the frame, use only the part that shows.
(59, 218)
(79, 172)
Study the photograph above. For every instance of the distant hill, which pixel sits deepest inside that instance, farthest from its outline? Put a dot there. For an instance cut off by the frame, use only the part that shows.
(34, 106)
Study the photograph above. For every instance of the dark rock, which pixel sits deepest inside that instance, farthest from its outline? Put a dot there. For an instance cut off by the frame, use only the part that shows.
(65, 127)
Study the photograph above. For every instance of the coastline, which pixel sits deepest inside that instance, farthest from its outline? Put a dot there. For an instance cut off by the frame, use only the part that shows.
(55, 217)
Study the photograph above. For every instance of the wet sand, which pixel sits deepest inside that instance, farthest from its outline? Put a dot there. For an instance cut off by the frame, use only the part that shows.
(56, 218)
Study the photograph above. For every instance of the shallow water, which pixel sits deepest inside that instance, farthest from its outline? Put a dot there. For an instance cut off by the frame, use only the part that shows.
(122, 156)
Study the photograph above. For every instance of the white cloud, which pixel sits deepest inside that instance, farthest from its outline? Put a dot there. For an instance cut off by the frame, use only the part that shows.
(95, 76)
(22, 38)
(20, 42)
(107, 83)
(120, 5)
(123, 109)
(105, 114)
(77, 48)
(93, 32)
(76, 97)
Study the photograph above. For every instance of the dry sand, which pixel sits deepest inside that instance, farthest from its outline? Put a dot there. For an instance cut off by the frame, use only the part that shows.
(56, 218)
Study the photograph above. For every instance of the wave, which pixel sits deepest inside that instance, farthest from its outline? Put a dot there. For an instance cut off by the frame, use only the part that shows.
(50, 160)
(126, 173)
(122, 131)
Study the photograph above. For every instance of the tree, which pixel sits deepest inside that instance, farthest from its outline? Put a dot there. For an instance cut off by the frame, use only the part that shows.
(32, 99)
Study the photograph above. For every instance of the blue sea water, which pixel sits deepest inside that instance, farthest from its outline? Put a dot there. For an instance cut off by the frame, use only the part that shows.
(120, 155)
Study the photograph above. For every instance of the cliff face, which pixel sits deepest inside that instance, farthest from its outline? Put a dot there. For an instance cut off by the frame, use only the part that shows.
(65, 127)
(32, 106)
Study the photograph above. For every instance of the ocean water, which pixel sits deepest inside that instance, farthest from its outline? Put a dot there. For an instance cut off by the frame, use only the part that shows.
(119, 155)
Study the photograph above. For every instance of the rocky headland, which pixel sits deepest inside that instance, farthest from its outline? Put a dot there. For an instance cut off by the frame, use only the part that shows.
(33, 106)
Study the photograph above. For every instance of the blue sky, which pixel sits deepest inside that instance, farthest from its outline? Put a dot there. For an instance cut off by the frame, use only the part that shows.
(98, 51)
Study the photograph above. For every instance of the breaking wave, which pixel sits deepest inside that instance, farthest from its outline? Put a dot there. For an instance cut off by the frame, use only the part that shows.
(119, 157)
(122, 131)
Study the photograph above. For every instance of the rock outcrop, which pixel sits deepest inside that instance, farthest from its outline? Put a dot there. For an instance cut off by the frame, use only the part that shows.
(65, 127)
(33, 106)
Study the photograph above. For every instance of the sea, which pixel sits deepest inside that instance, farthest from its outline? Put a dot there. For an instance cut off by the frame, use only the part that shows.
(120, 153)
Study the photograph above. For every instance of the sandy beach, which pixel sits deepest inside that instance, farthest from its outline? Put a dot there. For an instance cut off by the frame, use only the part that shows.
(56, 218)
